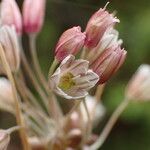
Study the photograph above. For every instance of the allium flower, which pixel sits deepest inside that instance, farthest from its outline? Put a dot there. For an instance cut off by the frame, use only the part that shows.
(109, 39)
(33, 15)
(10, 15)
(4, 139)
(139, 86)
(6, 95)
(108, 62)
(73, 79)
(70, 42)
(9, 42)
(98, 24)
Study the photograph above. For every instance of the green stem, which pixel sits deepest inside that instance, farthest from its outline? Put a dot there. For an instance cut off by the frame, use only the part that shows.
(113, 119)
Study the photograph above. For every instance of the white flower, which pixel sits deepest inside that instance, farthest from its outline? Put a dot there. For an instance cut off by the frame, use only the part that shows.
(139, 86)
(73, 79)
(6, 95)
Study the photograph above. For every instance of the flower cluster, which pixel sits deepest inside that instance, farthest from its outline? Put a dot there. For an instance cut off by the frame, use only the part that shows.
(83, 63)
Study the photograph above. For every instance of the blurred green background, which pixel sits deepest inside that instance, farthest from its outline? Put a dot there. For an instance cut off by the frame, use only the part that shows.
(132, 131)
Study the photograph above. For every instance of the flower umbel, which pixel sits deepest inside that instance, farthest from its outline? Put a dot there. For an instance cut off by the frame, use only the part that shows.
(73, 79)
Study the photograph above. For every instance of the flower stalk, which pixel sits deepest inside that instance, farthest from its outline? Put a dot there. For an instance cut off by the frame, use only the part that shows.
(111, 122)
(19, 118)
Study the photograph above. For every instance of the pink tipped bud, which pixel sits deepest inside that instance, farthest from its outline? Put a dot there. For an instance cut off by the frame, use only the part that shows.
(33, 15)
(97, 26)
(108, 63)
(70, 42)
(10, 15)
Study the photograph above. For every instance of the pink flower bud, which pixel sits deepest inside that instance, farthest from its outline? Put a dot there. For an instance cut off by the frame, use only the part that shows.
(97, 26)
(70, 42)
(10, 15)
(108, 63)
(138, 88)
(9, 42)
(33, 15)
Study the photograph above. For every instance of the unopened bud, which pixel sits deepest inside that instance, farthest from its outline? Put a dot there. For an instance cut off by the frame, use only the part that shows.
(9, 42)
(108, 63)
(139, 86)
(70, 42)
(10, 15)
(98, 24)
(109, 39)
(33, 15)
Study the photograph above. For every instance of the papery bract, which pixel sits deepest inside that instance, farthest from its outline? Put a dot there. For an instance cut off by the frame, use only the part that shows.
(10, 15)
(108, 63)
(139, 86)
(73, 79)
(9, 42)
(98, 24)
(70, 42)
(33, 15)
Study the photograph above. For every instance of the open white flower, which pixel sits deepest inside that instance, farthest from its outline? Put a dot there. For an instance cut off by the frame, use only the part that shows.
(73, 79)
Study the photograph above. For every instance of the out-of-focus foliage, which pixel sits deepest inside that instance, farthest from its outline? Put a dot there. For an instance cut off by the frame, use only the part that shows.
(132, 131)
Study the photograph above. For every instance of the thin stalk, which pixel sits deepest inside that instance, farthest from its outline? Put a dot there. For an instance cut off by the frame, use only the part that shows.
(52, 67)
(19, 119)
(77, 103)
(36, 64)
(89, 123)
(111, 122)
(13, 129)
(98, 95)
(36, 85)
(99, 91)
(83, 54)
(26, 94)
